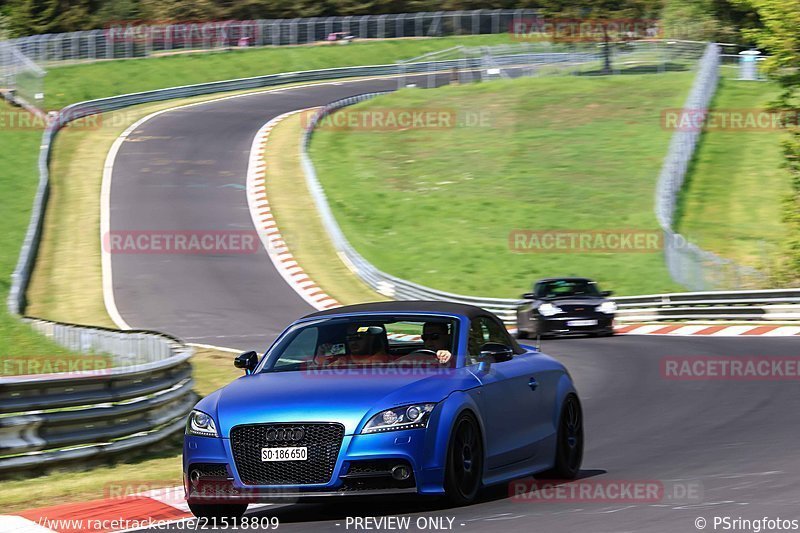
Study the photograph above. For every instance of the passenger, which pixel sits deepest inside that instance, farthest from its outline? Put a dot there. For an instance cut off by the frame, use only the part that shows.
(367, 344)
(364, 345)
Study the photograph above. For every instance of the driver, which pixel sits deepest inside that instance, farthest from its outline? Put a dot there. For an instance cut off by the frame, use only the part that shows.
(437, 338)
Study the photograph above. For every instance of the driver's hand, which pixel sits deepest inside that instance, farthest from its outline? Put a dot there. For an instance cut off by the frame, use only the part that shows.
(443, 356)
(323, 356)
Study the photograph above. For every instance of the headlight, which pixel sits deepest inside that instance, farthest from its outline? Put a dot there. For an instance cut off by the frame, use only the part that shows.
(608, 308)
(201, 424)
(406, 417)
(548, 309)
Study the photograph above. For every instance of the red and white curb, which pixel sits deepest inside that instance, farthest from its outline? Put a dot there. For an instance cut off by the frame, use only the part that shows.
(719, 330)
(267, 228)
(151, 508)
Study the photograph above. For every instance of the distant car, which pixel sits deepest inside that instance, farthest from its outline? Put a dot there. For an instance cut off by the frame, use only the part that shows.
(563, 306)
(427, 398)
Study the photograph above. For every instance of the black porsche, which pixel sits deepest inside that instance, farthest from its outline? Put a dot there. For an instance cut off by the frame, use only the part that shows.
(563, 306)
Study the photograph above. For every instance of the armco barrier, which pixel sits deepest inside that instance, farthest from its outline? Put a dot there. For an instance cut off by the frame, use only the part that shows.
(142, 397)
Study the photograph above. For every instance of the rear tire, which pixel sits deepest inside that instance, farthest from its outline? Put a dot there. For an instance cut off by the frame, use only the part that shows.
(569, 444)
(464, 470)
(218, 510)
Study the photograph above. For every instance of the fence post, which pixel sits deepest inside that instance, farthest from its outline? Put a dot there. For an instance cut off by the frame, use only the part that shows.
(476, 22)
(381, 30)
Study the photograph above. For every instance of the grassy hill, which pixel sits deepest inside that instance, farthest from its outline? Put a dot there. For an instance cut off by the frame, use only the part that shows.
(437, 205)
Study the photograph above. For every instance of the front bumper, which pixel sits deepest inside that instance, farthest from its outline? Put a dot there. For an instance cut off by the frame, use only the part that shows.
(358, 470)
(594, 323)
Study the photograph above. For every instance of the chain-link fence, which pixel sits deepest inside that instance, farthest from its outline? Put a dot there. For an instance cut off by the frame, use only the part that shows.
(128, 40)
(20, 77)
(688, 264)
(557, 59)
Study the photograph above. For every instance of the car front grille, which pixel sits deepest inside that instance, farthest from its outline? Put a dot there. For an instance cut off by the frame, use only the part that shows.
(322, 440)
(579, 309)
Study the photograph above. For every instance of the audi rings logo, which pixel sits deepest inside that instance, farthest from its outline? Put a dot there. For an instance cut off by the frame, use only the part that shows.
(285, 434)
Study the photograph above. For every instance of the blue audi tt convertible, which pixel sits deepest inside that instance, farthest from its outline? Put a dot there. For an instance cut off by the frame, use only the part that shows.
(428, 398)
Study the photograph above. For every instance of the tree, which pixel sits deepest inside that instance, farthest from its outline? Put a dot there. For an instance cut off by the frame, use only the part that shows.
(603, 16)
(4, 33)
(779, 35)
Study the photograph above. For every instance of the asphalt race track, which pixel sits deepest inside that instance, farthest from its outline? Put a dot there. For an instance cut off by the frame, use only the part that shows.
(732, 443)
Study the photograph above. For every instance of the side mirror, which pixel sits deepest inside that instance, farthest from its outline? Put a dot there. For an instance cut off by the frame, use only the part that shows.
(246, 361)
(496, 352)
(529, 296)
(606, 293)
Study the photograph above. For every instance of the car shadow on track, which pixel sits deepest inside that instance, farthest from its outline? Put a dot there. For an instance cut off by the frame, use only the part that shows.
(341, 508)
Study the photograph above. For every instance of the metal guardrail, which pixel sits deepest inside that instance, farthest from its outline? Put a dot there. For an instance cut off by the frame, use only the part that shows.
(128, 40)
(141, 397)
(777, 305)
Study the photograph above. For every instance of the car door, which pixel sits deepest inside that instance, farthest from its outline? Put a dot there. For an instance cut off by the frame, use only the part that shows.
(510, 399)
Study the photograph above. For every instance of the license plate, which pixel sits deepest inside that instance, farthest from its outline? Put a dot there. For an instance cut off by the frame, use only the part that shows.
(284, 454)
(581, 323)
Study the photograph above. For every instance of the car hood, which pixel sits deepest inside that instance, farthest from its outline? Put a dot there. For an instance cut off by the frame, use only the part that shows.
(326, 396)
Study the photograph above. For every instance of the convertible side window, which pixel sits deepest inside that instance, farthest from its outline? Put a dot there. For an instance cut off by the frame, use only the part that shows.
(495, 332)
(476, 338)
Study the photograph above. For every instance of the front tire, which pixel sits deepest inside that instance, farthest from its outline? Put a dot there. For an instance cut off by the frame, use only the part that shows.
(218, 510)
(569, 444)
(464, 470)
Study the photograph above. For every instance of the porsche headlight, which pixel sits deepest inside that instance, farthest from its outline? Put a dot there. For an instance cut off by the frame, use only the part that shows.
(608, 308)
(548, 309)
(201, 425)
(406, 417)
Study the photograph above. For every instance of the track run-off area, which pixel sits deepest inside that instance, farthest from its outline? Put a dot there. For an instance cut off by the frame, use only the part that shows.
(731, 443)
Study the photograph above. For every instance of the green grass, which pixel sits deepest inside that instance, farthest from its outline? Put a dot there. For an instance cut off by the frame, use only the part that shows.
(68, 84)
(17, 187)
(436, 206)
(731, 203)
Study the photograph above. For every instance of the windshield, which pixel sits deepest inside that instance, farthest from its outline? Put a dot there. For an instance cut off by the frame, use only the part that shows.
(355, 342)
(566, 287)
